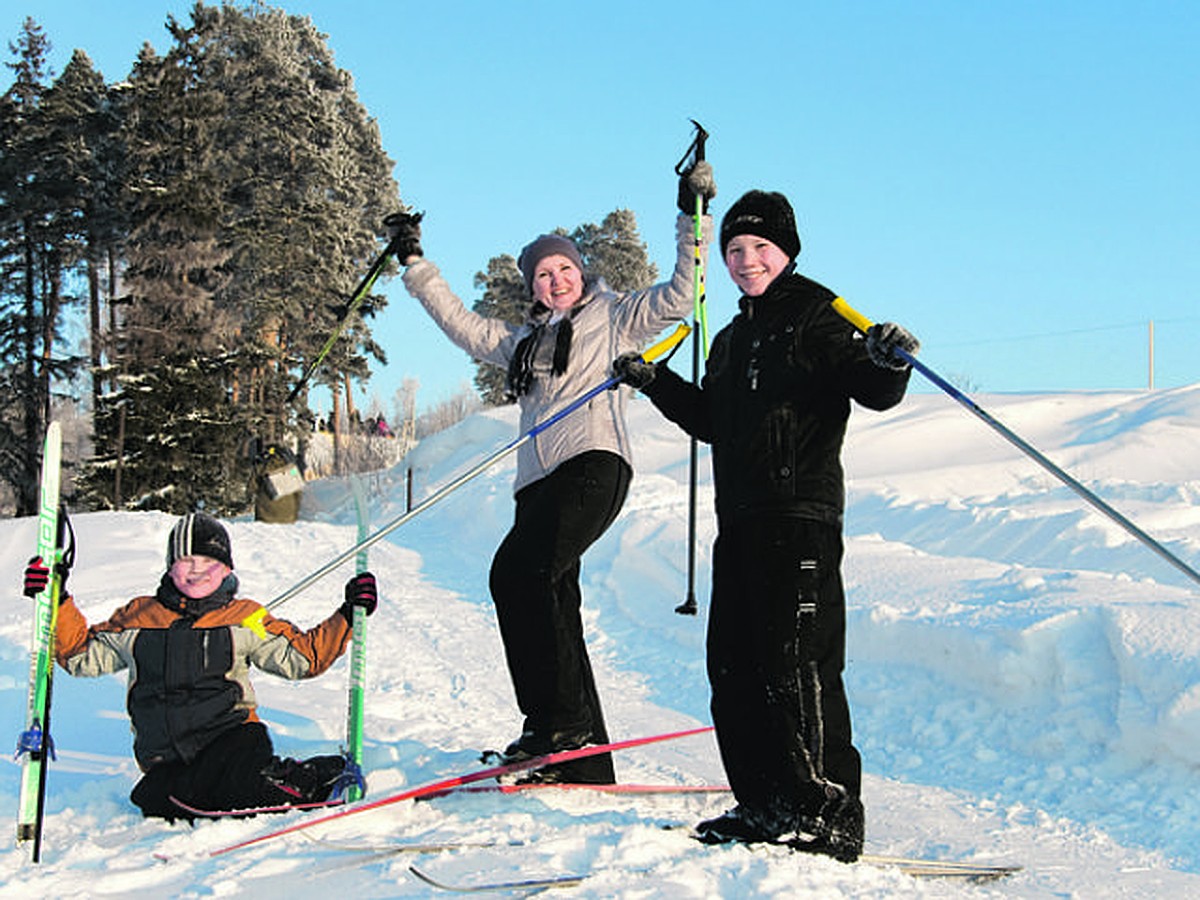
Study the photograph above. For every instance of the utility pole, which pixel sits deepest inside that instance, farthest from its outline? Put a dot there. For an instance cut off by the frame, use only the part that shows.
(1151, 355)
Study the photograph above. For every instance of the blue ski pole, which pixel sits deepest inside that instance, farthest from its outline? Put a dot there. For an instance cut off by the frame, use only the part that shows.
(863, 324)
(662, 347)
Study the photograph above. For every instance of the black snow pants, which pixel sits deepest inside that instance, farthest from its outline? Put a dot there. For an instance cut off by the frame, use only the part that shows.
(776, 651)
(535, 586)
(225, 775)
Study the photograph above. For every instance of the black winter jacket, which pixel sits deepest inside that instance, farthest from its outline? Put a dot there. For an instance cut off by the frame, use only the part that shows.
(775, 399)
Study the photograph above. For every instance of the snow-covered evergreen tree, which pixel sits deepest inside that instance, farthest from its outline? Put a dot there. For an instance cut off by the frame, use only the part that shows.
(257, 189)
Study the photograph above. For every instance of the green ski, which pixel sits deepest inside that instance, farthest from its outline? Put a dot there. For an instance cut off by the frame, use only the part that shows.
(358, 646)
(35, 746)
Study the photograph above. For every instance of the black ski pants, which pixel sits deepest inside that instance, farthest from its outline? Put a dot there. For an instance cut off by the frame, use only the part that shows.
(535, 586)
(776, 651)
(226, 774)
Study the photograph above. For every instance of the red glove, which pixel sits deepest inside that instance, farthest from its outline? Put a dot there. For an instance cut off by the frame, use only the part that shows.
(37, 576)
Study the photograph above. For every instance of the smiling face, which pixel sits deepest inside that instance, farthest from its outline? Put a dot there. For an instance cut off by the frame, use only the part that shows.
(557, 283)
(198, 576)
(753, 263)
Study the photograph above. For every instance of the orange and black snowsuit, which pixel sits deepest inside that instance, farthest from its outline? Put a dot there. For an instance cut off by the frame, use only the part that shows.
(189, 664)
(189, 677)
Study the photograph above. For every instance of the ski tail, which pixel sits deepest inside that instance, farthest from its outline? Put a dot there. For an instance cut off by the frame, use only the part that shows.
(529, 885)
(35, 745)
(246, 812)
(441, 786)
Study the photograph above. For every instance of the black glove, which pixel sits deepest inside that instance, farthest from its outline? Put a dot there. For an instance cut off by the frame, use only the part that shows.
(404, 231)
(634, 371)
(696, 182)
(360, 591)
(883, 339)
(37, 576)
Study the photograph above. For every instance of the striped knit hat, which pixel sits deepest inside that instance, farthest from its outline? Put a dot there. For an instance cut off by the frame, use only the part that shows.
(197, 534)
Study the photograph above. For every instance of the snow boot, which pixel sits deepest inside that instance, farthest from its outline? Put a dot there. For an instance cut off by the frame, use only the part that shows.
(309, 780)
(596, 769)
(836, 830)
(537, 742)
(739, 825)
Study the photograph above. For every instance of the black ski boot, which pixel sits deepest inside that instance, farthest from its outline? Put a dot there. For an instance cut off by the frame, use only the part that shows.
(739, 825)
(306, 780)
(837, 829)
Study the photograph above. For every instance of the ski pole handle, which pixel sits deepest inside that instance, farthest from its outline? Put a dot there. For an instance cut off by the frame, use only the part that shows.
(667, 344)
(852, 315)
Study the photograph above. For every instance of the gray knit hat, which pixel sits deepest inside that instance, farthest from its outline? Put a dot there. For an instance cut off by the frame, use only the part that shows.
(197, 534)
(541, 247)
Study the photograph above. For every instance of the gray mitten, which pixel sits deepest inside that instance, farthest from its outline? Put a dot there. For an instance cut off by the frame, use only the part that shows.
(696, 182)
(634, 371)
(884, 339)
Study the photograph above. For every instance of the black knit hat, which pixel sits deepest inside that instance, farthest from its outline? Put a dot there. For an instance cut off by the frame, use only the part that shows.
(197, 534)
(765, 214)
(541, 247)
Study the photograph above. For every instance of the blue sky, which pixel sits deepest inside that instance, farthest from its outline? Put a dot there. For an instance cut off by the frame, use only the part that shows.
(1017, 183)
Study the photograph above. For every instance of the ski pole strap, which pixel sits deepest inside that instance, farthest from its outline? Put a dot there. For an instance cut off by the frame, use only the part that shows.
(695, 151)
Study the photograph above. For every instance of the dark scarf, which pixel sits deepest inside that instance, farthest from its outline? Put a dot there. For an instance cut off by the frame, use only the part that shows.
(520, 367)
(170, 597)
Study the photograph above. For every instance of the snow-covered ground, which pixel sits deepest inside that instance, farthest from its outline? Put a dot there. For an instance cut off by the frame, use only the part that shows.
(1024, 676)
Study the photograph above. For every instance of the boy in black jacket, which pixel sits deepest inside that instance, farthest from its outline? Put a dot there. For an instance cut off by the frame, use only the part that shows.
(773, 404)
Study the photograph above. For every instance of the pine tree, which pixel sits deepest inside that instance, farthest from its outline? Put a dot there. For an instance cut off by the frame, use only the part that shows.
(41, 176)
(504, 297)
(255, 189)
(615, 251)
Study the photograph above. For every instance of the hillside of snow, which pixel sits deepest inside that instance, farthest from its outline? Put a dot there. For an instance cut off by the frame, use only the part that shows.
(1024, 676)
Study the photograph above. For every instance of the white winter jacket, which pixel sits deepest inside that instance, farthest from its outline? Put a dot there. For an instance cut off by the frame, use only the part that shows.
(605, 324)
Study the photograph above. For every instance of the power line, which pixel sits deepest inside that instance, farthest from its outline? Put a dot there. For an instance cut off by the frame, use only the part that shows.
(1070, 332)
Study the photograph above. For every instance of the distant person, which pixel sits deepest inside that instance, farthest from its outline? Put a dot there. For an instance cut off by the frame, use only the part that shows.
(572, 478)
(774, 403)
(189, 650)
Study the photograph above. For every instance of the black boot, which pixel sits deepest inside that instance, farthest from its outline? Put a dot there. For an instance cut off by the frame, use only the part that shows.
(306, 780)
(836, 830)
(539, 742)
(739, 825)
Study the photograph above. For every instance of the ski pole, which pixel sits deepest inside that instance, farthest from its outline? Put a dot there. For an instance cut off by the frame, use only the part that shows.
(254, 620)
(356, 299)
(862, 323)
(693, 155)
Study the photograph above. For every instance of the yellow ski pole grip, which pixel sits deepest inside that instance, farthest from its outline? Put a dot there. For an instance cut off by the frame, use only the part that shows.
(667, 344)
(851, 315)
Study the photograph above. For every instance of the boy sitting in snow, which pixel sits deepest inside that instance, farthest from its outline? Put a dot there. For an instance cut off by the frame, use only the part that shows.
(188, 649)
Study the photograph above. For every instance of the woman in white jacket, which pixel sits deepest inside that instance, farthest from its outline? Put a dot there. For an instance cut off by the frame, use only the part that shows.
(571, 478)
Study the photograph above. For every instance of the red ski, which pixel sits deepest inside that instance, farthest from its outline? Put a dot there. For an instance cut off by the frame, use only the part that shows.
(446, 784)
